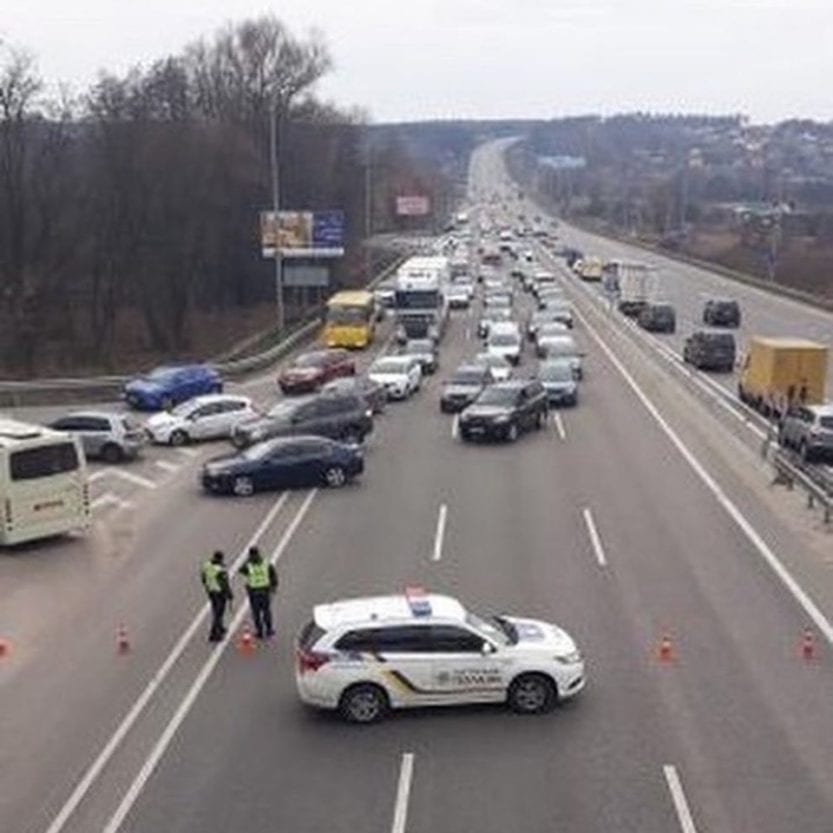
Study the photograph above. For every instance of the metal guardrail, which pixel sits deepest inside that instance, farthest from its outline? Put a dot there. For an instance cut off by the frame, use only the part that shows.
(790, 471)
(92, 388)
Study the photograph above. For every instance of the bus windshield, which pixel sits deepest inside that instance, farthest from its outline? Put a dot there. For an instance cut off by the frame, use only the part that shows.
(348, 314)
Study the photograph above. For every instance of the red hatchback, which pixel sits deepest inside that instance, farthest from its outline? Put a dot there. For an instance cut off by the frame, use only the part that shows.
(311, 370)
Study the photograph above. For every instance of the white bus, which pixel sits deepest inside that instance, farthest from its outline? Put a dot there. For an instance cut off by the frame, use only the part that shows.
(43, 483)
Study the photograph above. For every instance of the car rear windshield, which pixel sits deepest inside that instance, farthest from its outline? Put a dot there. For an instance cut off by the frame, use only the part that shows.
(467, 377)
(310, 634)
(420, 345)
(43, 461)
(504, 339)
(497, 396)
(721, 339)
(556, 372)
(309, 360)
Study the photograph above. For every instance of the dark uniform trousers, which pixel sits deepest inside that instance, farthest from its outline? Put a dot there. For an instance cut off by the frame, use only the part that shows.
(260, 602)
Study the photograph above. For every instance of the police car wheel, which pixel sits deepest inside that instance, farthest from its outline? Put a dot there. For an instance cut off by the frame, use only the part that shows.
(363, 703)
(243, 486)
(532, 694)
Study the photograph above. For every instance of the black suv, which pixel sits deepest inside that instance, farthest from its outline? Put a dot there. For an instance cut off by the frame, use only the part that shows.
(504, 410)
(710, 351)
(658, 318)
(340, 416)
(721, 312)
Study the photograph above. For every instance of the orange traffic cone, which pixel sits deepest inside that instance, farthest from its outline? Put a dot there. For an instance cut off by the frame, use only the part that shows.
(122, 642)
(4, 648)
(246, 645)
(665, 651)
(808, 645)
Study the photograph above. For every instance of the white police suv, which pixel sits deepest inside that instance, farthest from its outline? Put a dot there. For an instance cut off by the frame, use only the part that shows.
(365, 656)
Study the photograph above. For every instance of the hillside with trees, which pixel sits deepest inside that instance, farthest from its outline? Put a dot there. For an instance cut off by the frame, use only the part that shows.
(129, 213)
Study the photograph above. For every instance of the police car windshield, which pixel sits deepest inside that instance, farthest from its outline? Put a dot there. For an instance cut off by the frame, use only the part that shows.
(493, 628)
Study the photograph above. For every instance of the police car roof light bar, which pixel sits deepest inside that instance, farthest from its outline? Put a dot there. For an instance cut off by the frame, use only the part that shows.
(417, 599)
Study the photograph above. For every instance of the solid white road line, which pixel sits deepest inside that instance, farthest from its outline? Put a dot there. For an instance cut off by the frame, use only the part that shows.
(559, 426)
(136, 479)
(595, 540)
(109, 749)
(455, 427)
(186, 452)
(675, 787)
(403, 792)
(97, 475)
(439, 535)
(804, 600)
(161, 745)
(166, 466)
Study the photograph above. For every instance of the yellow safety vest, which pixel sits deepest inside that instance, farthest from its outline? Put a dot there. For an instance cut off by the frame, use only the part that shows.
(257, 576)
(211, 576)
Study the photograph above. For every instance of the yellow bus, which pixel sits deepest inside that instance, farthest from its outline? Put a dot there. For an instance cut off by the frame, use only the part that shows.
(350, 319)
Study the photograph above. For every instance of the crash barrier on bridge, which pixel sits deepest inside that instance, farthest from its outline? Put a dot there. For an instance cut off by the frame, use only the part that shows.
(15, 394)
(710, 266)
(791, 471)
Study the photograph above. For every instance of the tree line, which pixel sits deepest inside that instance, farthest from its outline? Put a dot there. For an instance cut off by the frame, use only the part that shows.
(136, 203)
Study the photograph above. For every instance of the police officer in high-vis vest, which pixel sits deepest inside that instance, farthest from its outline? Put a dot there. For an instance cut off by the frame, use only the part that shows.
(261, 583)
(215, 581)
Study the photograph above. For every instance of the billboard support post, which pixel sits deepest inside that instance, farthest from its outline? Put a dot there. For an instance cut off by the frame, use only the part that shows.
(276, 205)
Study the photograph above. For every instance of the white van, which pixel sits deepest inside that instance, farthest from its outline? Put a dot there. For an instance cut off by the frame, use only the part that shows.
(505, 340)
(43, 483)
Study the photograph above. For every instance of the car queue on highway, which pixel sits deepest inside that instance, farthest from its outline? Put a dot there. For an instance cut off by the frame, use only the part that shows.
(482, 556)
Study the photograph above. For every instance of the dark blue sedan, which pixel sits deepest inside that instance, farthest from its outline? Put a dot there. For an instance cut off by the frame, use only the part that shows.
(283, 463)
(165, 387)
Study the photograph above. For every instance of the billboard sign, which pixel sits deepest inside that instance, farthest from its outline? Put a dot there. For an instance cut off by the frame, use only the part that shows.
(302, 233)
(306, 274)
(413, 206)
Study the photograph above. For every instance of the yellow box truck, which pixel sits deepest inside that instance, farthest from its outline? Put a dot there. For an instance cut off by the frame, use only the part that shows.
(779, 372)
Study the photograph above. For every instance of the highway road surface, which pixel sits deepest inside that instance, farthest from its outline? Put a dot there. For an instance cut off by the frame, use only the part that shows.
(637, 515)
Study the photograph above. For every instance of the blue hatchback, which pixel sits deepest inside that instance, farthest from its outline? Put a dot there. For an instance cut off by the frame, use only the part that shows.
(165, 387)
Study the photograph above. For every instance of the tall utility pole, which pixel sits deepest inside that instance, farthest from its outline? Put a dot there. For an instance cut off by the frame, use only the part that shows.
(368, 208)
(276, 205)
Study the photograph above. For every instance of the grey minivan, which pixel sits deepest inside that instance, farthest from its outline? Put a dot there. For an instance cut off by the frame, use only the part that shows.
(109, 436)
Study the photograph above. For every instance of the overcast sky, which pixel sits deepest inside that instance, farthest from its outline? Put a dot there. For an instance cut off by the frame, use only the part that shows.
(420, 59)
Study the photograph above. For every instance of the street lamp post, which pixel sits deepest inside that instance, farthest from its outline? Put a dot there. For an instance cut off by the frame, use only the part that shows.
(368, 210)
(276, 204)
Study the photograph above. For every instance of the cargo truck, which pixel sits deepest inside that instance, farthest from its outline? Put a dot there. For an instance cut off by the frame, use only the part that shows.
(778, 373)
(420, 302)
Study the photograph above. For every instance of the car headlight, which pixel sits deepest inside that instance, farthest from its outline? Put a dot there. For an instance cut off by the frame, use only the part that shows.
(568, 659)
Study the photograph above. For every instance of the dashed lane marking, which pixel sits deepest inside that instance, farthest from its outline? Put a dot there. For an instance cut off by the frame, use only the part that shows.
(439, 535)
(811, 609)
(135, 479)
(595, 539)
(403, 792)
(166, 466)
